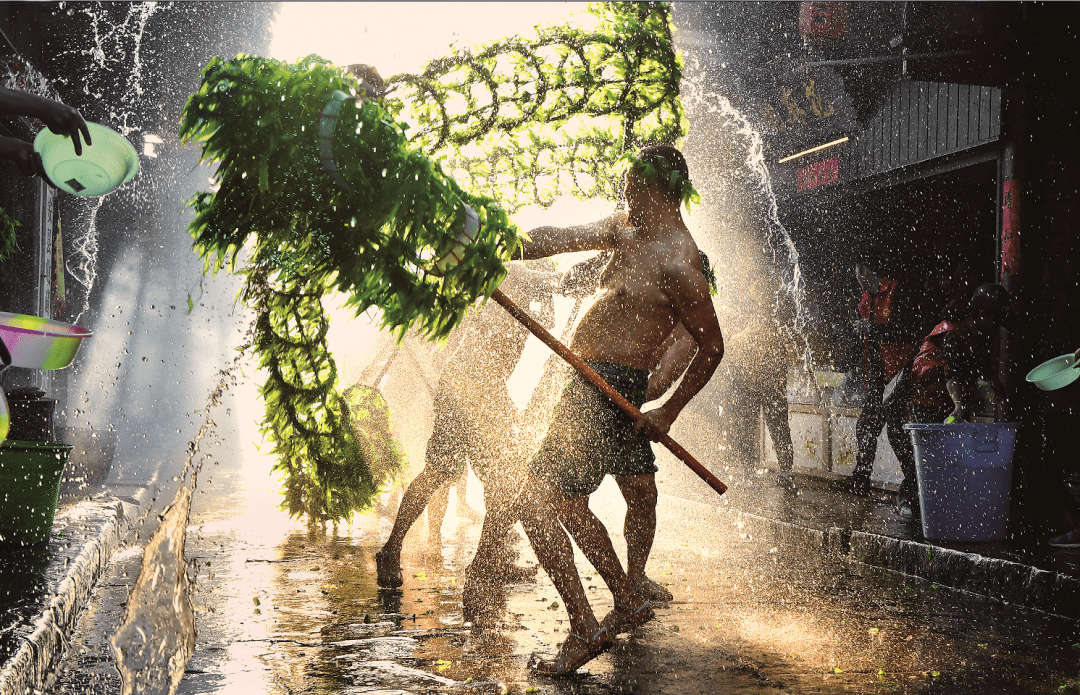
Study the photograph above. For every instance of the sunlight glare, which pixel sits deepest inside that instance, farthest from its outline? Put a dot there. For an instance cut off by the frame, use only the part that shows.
(399, 37)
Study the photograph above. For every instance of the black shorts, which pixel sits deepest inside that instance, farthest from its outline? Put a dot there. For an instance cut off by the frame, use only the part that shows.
(590, 437)
(460, 437)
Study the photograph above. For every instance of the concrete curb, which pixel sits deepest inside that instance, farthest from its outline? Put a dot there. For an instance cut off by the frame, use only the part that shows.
(84, 538)
(1002, 580)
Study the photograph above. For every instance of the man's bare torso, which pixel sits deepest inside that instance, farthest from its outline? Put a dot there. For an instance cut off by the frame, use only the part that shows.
(631, 314)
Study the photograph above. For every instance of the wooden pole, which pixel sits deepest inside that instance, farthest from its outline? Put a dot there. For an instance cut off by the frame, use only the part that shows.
(596, 380)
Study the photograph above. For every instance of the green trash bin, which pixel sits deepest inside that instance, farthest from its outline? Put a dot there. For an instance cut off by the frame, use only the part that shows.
(30, 475)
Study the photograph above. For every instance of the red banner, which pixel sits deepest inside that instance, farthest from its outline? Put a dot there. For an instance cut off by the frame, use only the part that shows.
(823, 21)
(818, 174)
(1010, 227)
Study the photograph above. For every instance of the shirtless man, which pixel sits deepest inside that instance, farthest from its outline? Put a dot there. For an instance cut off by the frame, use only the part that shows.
(652, 283)
(473, 410)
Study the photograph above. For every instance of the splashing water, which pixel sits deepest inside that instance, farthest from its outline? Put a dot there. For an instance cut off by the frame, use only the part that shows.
(766, 323)
(156, 638)
(115, 50)
(779, 259)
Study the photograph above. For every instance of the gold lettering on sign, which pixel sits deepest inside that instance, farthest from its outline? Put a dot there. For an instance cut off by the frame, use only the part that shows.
(769, 118)
(819, 108)
(795, 113)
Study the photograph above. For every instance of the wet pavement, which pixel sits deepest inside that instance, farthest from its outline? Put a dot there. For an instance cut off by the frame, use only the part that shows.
(281, 608)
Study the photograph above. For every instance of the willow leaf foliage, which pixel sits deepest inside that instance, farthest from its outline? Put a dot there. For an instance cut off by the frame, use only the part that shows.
(550, 115)
(516, 122)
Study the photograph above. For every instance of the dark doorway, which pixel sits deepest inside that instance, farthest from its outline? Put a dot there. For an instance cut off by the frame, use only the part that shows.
(920, 232)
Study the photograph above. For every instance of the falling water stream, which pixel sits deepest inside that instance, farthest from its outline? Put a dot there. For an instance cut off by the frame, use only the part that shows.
(115, 49)
(157, 635)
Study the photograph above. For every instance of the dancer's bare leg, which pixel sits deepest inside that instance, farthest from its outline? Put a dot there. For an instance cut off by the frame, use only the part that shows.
(413, 502)
(640, 494)
(462, 505)
(537, 508)
(592, 537)
(436, 514)
(491, 567)
(639, 529)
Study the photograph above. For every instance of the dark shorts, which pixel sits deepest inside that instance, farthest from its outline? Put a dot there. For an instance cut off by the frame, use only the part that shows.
(590, 437)
(457, 439)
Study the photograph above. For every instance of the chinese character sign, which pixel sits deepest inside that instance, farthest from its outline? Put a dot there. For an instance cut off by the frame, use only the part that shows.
(818, 174)
(1010, 227)
(823, 21)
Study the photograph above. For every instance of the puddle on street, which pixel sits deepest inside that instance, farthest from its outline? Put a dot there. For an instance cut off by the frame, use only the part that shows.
(747, 618)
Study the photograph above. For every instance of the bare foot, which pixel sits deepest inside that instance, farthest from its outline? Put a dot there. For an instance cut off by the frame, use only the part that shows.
(651, 591)
(576, 651)
(388, 570)
(481, 604)
(619, 621)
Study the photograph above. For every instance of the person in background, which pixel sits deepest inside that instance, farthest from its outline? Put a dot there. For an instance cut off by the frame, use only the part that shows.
(60, 119)
(889, 326)
(755, 370)
(952, 363)
(474, 422)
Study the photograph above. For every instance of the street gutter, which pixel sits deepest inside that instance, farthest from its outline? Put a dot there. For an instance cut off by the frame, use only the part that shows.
(84, 537)
(1007, 581)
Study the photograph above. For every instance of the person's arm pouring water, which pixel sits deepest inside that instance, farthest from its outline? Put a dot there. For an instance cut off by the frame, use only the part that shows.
(60, 118)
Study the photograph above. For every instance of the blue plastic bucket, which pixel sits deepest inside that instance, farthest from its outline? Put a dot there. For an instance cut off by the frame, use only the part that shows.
(965, 478)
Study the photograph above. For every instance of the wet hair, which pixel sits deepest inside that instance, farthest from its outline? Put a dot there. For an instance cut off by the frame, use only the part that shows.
(666, 166)
(991, 299)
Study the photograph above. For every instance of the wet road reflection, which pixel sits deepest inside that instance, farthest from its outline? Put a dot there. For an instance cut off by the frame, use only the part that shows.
(304, 615)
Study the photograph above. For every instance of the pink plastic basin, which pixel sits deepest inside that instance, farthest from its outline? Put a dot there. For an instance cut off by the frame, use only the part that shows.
(37, 343)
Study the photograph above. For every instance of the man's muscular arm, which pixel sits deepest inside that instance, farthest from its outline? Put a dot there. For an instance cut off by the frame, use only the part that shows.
(549, 241)
(690, 295)
(676, 354)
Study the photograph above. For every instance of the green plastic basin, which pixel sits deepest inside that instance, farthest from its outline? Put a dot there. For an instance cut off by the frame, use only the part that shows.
(1056, 373)
(30, 475)
(102, 167)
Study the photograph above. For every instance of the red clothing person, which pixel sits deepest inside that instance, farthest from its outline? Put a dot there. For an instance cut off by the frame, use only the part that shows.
(955, 357)
(889, 323)
(895, 346)
(942, 353)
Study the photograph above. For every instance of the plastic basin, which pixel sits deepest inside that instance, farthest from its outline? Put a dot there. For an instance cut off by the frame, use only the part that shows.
(964, 474)
(30, 475)
(37, 343)
(104, 166)
(1056, 373)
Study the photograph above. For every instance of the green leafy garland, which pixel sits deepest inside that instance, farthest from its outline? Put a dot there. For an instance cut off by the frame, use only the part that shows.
(8, 239)
(557, 121)
(279, 219)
